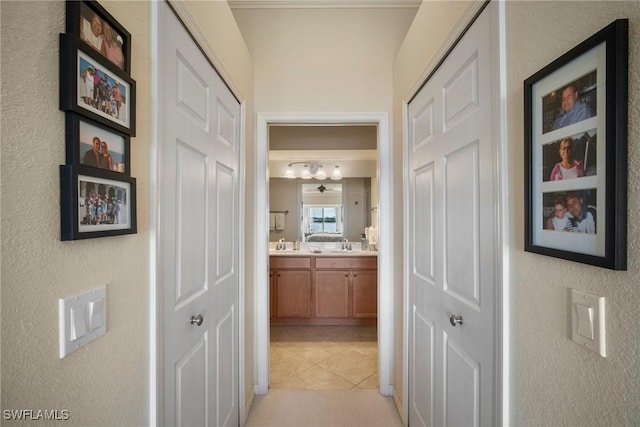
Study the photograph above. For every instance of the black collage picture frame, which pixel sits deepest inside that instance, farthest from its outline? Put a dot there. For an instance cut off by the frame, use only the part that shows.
(576, 152)
(98, 96)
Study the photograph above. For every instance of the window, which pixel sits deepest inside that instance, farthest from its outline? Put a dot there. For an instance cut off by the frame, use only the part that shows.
(323, 219)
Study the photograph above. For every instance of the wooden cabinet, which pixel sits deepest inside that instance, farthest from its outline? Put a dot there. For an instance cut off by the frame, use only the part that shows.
(290, 287)
(346, 288)
(332, 293)
(323, 290)
(365, 294)
(293, 293)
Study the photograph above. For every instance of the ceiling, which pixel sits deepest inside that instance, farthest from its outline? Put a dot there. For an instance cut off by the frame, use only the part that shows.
(353, 147)
(304, 4)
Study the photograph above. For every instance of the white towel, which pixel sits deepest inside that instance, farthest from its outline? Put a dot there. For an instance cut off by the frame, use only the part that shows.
(279, 223)
(272, 222)
(372, 235)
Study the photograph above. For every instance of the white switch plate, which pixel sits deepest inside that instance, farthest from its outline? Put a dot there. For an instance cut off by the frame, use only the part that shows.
(83, 318)
(588, 321)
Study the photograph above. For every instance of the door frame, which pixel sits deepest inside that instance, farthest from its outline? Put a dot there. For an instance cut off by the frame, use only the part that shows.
(385, 246)
(156, 296)
(501, 162)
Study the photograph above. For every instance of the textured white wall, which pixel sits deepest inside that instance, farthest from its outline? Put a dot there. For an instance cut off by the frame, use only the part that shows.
(323, 60)
(105, 382)
(555, 381)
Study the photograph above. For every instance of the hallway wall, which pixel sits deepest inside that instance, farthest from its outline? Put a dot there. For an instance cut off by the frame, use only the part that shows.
(37, 268)
(555, 381)
(107, 381)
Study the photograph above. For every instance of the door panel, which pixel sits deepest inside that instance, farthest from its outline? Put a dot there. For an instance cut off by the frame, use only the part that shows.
(423, 359)
(452, 210)
(226, 361)
(192, 394)
(461, 224)
(460, 94)
(332, 294)
(197, 234)
(423, 251)
(226, 218)
(191, 217)
(462, 386)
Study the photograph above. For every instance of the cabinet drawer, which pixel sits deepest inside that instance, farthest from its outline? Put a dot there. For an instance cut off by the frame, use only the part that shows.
(289, 262)
(346, 262)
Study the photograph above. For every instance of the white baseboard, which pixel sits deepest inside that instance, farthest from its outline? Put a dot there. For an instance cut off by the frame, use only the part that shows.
(400, 406)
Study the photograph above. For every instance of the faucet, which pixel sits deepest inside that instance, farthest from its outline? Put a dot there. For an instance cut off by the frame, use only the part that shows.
(281, 245)
(346, 245)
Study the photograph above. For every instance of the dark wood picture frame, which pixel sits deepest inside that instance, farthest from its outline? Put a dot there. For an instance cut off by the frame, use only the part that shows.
(80, 132)
(579, 103)
(80, 13)
(76, 58)
(96, 203)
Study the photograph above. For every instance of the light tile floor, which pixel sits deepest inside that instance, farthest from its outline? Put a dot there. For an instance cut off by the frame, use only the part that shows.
(324, 357)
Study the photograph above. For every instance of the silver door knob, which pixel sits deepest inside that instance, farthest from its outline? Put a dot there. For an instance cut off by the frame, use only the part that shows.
(456, 320)
(197, 320)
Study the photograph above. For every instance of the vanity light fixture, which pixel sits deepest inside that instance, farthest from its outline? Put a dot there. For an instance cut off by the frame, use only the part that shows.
(312, 169)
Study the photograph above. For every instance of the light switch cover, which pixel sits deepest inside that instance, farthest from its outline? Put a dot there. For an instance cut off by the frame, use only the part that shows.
(82, 318)
(96, 312)
(588, 321)
(78, 322)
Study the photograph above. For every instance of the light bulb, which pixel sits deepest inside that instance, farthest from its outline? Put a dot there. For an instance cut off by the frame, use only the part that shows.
(320, 174)
(337, 175)
(305, 173)
(290, 173)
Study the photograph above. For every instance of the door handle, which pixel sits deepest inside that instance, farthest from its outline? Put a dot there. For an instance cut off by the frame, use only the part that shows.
(197, 320)
(456, 320)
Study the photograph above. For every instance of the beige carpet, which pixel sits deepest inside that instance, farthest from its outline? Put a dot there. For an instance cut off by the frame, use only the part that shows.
(315, 408)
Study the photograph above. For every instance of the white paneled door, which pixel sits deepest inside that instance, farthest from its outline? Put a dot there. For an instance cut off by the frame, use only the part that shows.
(198, 237)
(452, 238)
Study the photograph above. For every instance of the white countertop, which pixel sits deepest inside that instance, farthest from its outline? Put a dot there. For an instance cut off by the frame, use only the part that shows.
(322, 253)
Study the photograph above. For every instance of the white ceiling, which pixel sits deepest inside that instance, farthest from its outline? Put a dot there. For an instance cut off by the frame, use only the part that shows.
(351, 147)
(304, 4)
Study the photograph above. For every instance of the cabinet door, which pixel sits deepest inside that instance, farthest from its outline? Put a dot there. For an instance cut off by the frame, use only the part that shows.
(332, 293)
(272, 295)
(365, 293)
(293, 293)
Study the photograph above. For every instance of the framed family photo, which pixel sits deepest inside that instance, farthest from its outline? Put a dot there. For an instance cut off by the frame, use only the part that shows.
(92, 24)
(96, 203)
(95, 88)
(576, 153)
(90, 143)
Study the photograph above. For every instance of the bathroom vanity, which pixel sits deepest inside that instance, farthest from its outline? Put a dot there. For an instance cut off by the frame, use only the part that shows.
(334, 287)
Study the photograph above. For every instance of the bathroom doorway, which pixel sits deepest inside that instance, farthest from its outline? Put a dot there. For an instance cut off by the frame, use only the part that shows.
(381, 328)
(323, 332)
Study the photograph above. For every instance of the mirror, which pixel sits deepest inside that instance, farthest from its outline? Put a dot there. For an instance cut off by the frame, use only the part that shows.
(322, 213)
(299, 210)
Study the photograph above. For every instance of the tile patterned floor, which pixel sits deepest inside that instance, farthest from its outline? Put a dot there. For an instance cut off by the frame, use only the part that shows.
(324, 357)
